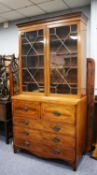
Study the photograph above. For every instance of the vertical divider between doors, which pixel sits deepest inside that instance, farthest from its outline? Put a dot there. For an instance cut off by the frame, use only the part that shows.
(46, 61)
(20, 62)
(79, 61)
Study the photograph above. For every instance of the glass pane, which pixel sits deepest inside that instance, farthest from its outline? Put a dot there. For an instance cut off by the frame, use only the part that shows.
(63, 60)
(33, 61)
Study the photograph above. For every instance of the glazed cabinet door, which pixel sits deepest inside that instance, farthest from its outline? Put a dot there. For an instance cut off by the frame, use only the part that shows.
(32, 61)
(63, 54)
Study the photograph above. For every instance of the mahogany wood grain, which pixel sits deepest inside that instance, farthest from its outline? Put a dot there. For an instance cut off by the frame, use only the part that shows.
(55, 127)
(51, 99)
(53, 112)
(81, 128)
(43, 150)
(27, 109)
(47, 137)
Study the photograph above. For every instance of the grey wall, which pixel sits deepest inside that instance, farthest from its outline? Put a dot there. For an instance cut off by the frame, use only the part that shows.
(9, 40)
(9, 37)
(93, 37)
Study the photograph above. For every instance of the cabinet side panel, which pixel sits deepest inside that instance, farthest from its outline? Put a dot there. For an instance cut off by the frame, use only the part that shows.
(20, 61)
(81, 119)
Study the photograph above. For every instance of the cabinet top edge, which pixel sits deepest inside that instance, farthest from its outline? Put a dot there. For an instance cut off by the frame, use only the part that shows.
(72, 101)
(66, 16)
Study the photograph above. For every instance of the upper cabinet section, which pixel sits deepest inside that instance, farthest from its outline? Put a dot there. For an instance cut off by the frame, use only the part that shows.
(52, 56)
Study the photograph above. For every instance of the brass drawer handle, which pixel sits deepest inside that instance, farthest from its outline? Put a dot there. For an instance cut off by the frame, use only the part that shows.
(56, 139)
(56, 151)
(56, 113)
(56, 128)
(25, 109)
(26, 133)
(26, 143)
(25, 122)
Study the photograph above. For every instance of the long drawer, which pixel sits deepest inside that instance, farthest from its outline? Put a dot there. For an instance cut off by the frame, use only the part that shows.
(23, 108)
(57, 127)
(44, 150)
(49, 138)
(58, 112)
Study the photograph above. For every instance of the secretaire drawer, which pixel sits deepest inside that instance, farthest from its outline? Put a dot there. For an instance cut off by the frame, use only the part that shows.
(58, 112)
(26, 109)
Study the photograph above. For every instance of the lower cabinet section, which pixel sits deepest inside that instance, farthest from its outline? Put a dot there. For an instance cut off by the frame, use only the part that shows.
(49, 129)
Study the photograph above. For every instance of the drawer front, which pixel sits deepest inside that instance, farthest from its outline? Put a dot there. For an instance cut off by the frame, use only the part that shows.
(23, 108)
(43, 150)
(58, 112)
(54, 139)
(55, 127)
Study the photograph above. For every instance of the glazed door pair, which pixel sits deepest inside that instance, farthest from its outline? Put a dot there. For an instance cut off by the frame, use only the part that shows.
(49, 60)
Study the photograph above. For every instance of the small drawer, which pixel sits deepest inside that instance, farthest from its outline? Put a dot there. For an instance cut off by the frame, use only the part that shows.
(57, 112)
(23, 108)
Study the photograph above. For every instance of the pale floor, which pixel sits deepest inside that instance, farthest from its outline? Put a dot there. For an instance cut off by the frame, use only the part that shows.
(25, 164)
